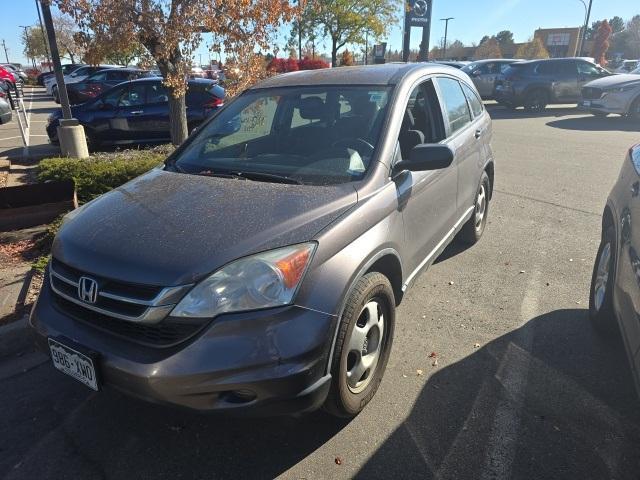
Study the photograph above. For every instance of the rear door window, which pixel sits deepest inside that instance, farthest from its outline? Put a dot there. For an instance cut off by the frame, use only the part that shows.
(156, 93)
(454, 104)
(546, 68)
(476, 105)
(567, 67)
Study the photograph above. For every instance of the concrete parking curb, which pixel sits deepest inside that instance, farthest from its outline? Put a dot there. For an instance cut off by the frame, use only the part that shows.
(15, 337)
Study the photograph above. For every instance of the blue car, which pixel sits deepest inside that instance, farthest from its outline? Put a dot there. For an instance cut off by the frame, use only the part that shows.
(137, 112)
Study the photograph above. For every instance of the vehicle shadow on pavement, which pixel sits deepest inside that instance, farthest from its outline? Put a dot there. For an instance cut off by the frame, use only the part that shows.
(58, 429)
(548, 400)
(595, 124)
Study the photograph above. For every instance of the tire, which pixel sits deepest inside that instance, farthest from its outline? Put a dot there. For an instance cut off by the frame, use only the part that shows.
(601, 311)
(354, 384)
(536, 100)
(474, 228)
(634, 111)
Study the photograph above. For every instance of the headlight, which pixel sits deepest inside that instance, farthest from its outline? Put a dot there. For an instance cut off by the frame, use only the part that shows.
(626, 88)
(268, 279)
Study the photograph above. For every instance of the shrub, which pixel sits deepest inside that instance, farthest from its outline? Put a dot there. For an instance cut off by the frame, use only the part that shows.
(103, 171)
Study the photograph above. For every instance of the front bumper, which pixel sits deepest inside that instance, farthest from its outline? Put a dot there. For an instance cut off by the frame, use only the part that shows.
(278, 355)
(610, 103)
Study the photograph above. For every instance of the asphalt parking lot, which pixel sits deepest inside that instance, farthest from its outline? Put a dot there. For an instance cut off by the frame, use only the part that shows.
(522, 387)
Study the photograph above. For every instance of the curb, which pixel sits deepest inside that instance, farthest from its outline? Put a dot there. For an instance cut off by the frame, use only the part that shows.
(15, 337)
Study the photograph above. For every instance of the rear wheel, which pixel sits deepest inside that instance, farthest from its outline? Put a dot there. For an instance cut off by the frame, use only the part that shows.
(474, 228)
(362, 346)
(601, 311)
(536, 101)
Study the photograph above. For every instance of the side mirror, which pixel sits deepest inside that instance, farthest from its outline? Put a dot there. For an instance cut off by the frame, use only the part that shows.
(427, 157)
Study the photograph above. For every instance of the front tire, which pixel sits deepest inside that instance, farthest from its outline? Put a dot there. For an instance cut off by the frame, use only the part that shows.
(536, 101)
(474, 228)
(601, 311)
(362, 346)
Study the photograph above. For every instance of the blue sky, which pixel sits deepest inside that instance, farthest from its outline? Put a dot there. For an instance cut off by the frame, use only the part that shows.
(473, 19)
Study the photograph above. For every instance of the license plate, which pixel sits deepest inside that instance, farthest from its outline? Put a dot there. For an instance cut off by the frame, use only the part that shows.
(586, 103)
(74, 364)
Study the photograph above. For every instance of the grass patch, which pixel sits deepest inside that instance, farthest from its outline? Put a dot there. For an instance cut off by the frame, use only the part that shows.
(102, 171)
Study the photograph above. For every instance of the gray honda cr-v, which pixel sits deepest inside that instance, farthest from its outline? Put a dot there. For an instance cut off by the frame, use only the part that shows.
(260, 268)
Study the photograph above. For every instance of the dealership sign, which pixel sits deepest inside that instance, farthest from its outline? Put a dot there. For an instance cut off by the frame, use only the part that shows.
(419, 13)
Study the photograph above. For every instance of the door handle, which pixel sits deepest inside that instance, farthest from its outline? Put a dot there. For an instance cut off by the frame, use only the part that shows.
(137, 112)
(478, 133)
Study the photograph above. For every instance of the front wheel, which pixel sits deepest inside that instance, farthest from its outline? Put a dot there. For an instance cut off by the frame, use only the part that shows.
(536, 101)
(474, 228)
(601, 310)
(362, 346)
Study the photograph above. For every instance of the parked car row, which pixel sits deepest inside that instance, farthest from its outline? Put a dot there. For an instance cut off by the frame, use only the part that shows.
(135, 111)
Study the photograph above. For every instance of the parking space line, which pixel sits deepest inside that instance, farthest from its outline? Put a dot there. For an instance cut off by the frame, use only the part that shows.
(25, 149)
(547, 202)
(503, 439)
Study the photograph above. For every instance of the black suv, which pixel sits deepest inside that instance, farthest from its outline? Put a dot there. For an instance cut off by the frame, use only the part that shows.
(537, 83)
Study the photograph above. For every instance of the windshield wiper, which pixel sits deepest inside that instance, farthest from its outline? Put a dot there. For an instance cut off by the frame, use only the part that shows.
(263, 176)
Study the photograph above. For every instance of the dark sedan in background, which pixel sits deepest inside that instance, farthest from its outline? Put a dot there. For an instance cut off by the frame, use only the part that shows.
(137, 112)
(614, 300)
(538, 83)
(101, 81)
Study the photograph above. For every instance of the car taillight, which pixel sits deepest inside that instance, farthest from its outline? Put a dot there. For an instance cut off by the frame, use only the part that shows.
(214, 103)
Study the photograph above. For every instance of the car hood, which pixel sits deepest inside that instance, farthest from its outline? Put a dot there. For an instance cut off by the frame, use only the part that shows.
(614, 81)
(167, 228)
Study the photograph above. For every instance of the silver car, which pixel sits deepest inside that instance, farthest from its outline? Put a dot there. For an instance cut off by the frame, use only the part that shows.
(613, 94)
(485, 72)
(614, 300)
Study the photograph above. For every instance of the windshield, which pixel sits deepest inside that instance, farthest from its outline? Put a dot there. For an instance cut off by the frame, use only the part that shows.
(312, 135)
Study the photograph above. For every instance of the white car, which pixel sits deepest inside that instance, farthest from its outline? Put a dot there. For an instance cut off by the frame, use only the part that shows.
(618, 94)
(76, 76)
(627, 66)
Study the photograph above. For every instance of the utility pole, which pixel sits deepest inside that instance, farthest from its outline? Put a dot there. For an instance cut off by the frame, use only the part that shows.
(71, 134)
(584, 30)
(446, 28)
(44, 39)
(366, 48)
(6, 55)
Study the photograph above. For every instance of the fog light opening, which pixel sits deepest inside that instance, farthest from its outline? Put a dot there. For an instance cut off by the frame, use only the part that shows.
(239, 396)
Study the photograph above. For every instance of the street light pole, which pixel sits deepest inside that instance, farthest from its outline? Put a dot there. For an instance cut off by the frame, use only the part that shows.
(71, 134)
(584, 30)
(46, 47)
(446, 28)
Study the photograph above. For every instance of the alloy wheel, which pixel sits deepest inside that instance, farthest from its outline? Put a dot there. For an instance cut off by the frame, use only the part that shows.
(602, 277)
(365, 346)
(481, 207)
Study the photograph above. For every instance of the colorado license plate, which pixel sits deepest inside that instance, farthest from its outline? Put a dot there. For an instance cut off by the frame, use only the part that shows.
(74, 364)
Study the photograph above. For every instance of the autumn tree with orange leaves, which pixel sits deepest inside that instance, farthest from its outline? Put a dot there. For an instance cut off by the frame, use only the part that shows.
(171, 31)
(601, 43)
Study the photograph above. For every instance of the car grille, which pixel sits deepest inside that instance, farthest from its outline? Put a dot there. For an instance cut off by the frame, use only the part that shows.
(137, 312)
(591, 93)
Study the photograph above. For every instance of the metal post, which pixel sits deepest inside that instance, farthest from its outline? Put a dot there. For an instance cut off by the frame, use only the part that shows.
(446, 28)
(55, 57)
(44, 39)
(584, 30)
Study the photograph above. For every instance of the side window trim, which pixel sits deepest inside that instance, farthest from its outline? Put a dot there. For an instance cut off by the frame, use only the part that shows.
(474, 117)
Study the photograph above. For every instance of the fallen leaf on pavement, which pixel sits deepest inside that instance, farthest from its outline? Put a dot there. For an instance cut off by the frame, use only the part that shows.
(419, 372)
(435, 363)
(338, 461)
(433, 355)
(476, 345)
